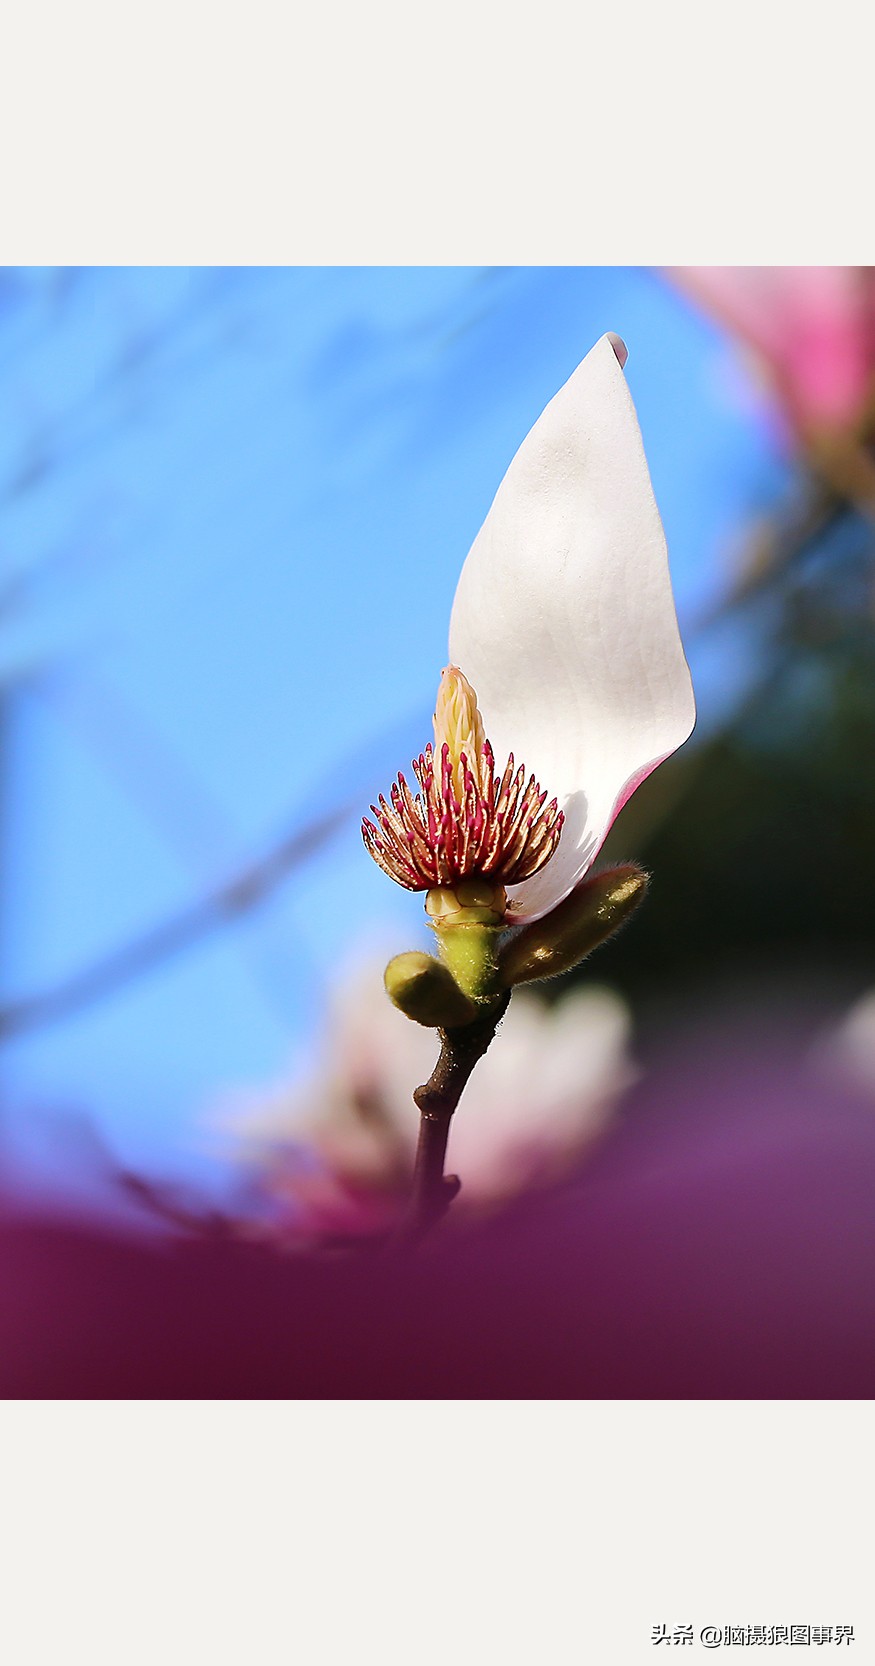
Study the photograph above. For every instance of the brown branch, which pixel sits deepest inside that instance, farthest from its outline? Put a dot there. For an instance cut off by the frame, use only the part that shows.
(433, 1191)
(237, 896)
(846, 469)
(773, 548)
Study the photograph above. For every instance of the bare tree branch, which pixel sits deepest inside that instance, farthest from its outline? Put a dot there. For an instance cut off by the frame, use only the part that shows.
(249, 887)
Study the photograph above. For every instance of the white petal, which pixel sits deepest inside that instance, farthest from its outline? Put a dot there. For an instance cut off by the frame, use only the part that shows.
(564, 619)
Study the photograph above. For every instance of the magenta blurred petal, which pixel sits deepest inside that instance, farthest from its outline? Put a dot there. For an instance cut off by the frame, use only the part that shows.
(720, 1244)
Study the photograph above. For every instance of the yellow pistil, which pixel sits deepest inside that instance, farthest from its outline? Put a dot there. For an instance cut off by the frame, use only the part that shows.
(458, 725)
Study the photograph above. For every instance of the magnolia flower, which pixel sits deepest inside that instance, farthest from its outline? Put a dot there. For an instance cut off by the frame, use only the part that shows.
(334, 1150)
(567, 670)
(810, 328)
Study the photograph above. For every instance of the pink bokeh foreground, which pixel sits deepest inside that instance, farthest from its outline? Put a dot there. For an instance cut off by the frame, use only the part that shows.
(719, 1242)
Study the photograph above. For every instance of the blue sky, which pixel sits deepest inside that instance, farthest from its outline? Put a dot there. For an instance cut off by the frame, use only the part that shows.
(233, 508)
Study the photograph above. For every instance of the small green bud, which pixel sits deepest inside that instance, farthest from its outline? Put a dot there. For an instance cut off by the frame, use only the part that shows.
(426, 991)
(592, 912)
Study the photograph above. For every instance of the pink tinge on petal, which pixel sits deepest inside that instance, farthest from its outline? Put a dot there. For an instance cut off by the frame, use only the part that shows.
(621, 351)
(635, 781)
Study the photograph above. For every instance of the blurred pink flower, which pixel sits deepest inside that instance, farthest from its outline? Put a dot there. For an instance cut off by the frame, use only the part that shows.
(334, 1149)
(811, 328)
(720, 1243)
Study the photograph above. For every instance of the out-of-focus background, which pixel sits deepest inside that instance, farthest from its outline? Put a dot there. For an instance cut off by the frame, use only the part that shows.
(233, 508)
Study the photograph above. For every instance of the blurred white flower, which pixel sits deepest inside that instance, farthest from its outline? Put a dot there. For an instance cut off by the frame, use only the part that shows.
(848, 1050)
(334, 1149)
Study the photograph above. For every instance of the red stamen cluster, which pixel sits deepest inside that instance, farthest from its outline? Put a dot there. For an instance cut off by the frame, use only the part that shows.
(498, 828)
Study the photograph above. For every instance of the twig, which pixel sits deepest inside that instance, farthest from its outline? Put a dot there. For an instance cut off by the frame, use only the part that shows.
(158, 779)
(847, 470)
(243, 892)
(774, 548)
(433, 1191)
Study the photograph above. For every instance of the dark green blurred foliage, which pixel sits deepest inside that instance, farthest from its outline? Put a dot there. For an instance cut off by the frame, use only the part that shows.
(761, 840)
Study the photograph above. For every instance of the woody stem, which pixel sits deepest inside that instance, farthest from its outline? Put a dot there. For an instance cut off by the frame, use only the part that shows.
(433, 1192)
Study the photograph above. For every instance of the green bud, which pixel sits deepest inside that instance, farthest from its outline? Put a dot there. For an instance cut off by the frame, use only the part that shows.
(426, 991)
(592, 912)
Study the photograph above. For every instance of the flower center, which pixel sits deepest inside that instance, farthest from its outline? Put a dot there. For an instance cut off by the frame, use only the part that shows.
(466, 822)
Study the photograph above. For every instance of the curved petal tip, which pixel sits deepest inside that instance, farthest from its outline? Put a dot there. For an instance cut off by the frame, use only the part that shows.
(620, 348)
